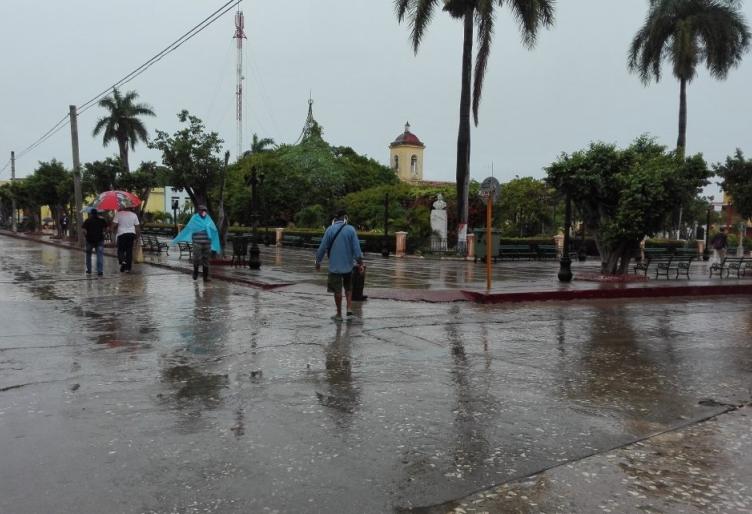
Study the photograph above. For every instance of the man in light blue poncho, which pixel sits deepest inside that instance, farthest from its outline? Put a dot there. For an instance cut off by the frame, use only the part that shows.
(202, 232)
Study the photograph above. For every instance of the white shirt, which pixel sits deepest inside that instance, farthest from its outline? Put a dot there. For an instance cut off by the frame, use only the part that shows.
(126, 222)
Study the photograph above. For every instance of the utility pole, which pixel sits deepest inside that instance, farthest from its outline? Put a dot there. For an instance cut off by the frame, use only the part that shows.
(239, 37)
(14, 227)
(76, 175)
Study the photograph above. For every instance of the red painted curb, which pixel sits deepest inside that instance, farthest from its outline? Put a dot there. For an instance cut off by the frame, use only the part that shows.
(601, 294)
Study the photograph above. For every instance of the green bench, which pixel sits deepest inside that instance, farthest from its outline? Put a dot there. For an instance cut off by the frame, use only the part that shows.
(292, 240)
(547, 251)
(739, 264)
(516, 252)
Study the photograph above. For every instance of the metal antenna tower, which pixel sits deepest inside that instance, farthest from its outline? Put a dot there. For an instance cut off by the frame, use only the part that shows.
(239, 37)
(309, 123)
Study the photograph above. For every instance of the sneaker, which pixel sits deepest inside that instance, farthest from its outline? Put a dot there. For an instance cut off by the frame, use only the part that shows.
(99, 273)
(337, 318)
(88, 272)
(122, 267)
(350, 316)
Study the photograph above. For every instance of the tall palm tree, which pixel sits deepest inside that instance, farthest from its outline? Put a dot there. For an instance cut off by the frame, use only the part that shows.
(685, 33)
(261, 145)
(530, 14)
(122, 124)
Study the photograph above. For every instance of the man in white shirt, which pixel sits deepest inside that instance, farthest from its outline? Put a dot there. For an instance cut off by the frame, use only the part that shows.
(127, 225)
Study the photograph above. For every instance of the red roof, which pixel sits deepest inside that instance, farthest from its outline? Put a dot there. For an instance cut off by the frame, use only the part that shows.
(407, 138)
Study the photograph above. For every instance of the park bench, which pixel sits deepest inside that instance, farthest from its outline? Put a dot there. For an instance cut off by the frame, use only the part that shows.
(686, 252)
(152, 244)
(516, 252)
(292, 240)
(728, 264)
(644, 265)
(547, 251)
(184, 247)
(678, 263)
(239, 250)
(314, 242)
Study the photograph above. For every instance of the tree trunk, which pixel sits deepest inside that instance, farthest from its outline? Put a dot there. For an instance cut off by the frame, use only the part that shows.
(681, 142)
(615, 261)
(463, 134)
(123, 147)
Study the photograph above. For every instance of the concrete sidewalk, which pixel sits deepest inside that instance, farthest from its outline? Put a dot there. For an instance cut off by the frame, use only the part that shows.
(449, 280)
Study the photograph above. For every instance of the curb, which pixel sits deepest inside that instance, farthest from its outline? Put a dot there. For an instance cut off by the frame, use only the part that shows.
(605, 294)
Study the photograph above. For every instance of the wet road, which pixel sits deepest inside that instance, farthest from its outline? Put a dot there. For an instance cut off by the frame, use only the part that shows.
(151, 393)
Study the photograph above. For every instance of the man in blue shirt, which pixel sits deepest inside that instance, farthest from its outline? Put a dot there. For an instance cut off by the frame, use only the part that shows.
(340, 243)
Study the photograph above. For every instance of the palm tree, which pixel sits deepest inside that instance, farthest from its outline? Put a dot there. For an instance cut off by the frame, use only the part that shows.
(261, 145)
(685, 33)
(122, 123)
(530, 14)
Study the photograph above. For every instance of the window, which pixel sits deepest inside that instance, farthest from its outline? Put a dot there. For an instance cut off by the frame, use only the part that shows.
(396, 162)
(414, 165)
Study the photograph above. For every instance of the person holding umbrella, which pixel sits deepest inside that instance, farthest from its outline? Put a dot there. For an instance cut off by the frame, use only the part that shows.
(203, 233)
(127, 225)
(125, 220)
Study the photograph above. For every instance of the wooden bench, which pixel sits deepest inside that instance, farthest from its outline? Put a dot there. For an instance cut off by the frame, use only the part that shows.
(152, 244)
(184, 247)
(516, 252)
(678, 263)
(547, 251)
(738, 264)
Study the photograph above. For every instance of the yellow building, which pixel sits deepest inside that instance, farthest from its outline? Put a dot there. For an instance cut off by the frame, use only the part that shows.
(406, 156)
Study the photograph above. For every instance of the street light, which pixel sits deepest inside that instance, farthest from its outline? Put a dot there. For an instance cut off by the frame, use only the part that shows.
(565, 263)
(254, 260)
(706, 251)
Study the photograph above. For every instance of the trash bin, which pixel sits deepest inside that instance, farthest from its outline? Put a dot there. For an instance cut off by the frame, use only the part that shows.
(358, 283)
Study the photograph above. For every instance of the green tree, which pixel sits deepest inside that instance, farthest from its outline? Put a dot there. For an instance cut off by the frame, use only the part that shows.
(736, 173)
(298, 176)
(625, 195)
(524, 207)
(685, 33)
(192, 159)
(531, 15)
(99, 176)
(122, 124)
(52, 185)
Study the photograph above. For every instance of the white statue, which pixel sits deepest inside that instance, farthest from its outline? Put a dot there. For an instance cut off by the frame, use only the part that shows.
(439, 219)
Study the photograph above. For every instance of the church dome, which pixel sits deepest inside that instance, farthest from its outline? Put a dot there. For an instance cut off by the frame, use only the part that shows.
(407, 138)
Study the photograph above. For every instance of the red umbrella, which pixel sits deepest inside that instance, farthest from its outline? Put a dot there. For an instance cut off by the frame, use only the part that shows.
(115, 200)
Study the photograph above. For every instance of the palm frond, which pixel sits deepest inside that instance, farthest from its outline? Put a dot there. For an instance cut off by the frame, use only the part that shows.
(530, 16)
(485, 18)
(421, 17)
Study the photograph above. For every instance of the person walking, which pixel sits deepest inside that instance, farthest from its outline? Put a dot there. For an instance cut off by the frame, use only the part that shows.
(340, 244)
(94, 228)
(127, 230)
(719, 244)
(64, 226)
(203, 233)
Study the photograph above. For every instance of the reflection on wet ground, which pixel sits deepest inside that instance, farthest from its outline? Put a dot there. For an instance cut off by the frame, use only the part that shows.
(185, 397)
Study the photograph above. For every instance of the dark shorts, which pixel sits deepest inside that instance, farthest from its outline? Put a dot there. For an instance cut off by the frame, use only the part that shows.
(337, 281)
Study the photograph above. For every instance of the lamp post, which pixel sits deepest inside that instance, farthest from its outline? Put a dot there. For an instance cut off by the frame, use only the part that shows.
(254, 260)
(706, 251)
(565, 263)
(385, 241)
(175, 205)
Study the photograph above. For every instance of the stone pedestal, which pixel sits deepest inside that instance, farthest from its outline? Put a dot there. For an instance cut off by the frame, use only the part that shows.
(700, 247)
(471, 246)
(400, 244)
(279, 232)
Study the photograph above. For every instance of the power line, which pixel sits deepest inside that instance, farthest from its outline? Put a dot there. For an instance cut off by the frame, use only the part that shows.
(206, 22)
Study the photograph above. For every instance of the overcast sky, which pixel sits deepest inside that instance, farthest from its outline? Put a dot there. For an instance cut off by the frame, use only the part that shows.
(357, 63)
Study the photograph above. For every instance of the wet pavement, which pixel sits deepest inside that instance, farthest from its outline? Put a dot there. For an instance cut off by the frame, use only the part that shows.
(149, 392)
